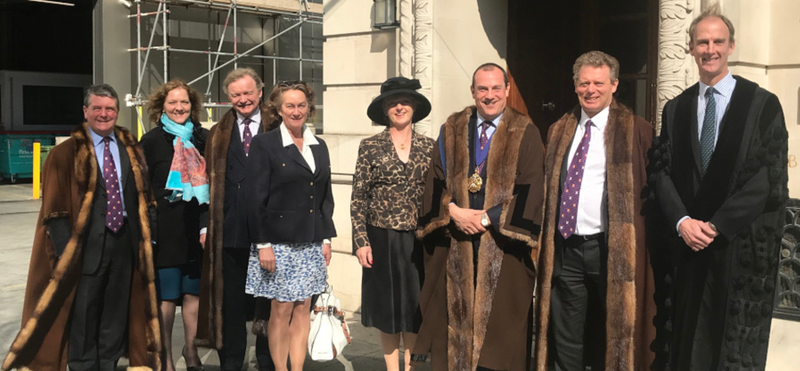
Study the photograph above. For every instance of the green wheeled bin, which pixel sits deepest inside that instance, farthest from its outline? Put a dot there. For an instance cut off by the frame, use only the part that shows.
(16, 153)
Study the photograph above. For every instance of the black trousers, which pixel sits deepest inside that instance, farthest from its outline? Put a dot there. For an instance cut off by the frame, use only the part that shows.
(577, 305)
(99, 324)
(237, 309)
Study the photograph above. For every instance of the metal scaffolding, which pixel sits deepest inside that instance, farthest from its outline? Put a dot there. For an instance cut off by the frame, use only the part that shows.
(274, 9)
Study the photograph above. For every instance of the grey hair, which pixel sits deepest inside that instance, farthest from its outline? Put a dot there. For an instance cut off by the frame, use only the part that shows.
(100, 90)
(712, 11)
(596, 58)
(238, 74)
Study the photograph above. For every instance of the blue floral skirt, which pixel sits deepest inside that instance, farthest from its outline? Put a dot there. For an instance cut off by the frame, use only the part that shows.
(300, 272)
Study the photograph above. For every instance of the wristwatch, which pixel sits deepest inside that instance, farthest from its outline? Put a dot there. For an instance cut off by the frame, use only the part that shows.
(484, 220)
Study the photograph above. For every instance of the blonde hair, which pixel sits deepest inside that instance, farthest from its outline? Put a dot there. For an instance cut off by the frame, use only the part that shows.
(596, 58)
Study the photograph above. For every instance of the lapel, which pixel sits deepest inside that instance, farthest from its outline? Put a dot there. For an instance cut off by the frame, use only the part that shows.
(570, 126)
(294, 154)
(125, 163)
(715, 185)
(413, 155)
(236, 144)
(386, 144)
(695, 128)
(471, 135)
(316, 150)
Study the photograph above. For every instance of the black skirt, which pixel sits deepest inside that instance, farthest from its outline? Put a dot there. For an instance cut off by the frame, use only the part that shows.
(390, 289)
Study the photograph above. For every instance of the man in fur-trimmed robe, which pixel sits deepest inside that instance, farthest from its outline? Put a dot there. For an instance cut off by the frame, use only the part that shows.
(595, 283)
(480, 219)
(91, 296)
(224, 306)
(720, 179)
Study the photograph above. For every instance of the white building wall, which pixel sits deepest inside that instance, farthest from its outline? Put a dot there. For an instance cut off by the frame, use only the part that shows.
(764, 32)
(359, 58)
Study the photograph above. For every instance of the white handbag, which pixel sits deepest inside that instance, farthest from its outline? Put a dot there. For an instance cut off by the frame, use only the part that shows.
(329, 332)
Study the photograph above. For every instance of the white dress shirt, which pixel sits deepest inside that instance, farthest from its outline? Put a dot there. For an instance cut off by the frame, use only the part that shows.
(591, 203)
(723, 91)
(490, 130)
(254, 123)
(308, 140)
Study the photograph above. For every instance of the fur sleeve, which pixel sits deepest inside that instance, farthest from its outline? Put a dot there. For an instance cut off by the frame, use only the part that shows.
(521, 218)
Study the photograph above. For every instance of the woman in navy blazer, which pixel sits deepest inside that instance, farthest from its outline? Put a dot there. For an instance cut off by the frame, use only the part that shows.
(291, 218)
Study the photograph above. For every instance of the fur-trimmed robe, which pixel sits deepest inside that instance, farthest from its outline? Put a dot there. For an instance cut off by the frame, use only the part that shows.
(467, 324)
(209, 320)
(69, 183)
(726, 291)
(629, 294)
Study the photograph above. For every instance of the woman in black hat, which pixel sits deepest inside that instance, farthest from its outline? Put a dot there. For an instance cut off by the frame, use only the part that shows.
(387, 188)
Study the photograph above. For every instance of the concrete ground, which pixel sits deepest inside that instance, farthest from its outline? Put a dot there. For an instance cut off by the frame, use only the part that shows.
(18, 213)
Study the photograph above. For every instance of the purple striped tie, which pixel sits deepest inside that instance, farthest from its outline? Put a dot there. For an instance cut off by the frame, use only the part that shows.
(114, 204)
(572, 186)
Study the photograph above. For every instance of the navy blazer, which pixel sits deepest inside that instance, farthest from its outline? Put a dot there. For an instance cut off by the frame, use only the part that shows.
(287, 203)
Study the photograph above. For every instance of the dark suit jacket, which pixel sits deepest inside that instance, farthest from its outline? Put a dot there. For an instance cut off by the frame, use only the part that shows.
(235, 208)
(93, 249)
(178, 235)
(287, 202)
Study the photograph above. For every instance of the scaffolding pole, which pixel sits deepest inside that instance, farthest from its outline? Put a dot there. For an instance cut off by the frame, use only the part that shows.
(137, 100)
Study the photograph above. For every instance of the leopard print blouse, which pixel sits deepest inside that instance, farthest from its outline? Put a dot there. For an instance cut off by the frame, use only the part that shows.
(387, 192)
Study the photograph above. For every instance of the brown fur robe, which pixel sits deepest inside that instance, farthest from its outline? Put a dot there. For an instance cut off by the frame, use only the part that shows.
(629, 300)
(467, 324)
(209, 321)
(69, 182)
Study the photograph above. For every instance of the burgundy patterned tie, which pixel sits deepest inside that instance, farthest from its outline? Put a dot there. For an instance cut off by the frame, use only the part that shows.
(247, 136)
(114, 204)
(483, 140)
(572, 186)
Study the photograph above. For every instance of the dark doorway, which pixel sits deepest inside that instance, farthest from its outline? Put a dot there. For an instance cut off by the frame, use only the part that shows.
(545, 38)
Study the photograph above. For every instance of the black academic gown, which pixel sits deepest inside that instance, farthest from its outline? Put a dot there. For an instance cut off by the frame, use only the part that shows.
(715, 306)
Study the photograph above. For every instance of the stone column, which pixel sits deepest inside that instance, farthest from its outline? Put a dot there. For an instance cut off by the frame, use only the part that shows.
(423, 56)
(406, 41)
(676, 69)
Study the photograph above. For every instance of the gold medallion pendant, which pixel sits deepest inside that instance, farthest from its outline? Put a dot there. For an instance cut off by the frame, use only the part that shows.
(475, 182)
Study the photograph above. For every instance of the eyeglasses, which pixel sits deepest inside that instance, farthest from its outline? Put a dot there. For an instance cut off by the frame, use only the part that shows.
(286, 83)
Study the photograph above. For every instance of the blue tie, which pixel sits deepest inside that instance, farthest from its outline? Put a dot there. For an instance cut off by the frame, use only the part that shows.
(709, 130)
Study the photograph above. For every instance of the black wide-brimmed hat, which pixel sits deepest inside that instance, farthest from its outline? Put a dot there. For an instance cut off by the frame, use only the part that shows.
(394, 86)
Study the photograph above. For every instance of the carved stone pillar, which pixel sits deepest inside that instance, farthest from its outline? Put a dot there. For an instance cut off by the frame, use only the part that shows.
(675, 65)
(405, 10)
(423, 55)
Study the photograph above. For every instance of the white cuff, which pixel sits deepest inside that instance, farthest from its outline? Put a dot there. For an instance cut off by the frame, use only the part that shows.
(263, 245)
(678, 226)
(203, 231)
(326, 242)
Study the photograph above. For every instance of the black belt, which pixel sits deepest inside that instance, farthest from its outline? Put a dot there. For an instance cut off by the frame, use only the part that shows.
(577, 239)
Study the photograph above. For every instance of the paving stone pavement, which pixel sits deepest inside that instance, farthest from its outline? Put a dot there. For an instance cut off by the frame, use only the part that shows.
(18, 214)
